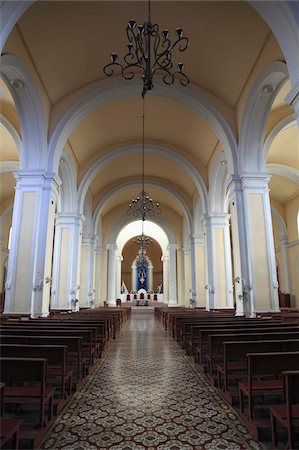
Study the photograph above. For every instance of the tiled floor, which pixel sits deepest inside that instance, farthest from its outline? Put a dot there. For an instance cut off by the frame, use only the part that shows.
(145, 394)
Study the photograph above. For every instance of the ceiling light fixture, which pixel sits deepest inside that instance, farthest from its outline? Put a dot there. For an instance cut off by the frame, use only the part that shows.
(143, 205)
(148, 53)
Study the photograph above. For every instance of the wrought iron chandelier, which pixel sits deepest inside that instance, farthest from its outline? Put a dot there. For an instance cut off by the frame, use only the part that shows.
(143, 205)
(150, 52)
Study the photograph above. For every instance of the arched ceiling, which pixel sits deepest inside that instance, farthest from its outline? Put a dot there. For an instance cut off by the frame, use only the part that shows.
(75, 35)
(166, 122)
(67, 43)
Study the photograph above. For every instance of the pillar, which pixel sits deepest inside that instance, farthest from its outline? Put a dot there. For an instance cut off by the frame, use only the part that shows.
(187, 278)
(219, 286)
(173, 298)
(287, 287)
(257, 253)
(30, 261)
(199, 270)
(118, 262)
(111, 296)
(87, 282)
(238, 293)
(66, 261)
(97, 276)
(165, 259)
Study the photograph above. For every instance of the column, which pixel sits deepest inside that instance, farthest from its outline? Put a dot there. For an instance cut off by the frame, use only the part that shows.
(199, 270)
(287, 286)
(219, 288)
(118, 262)
(257, 253)
(173, 298)
(4, 252)
(87, 285)
(293, 100)
(111, 297)
(66, 261)
(238, 293)
(165, 259)
(187, 278)
(30, 262)
(98, 253)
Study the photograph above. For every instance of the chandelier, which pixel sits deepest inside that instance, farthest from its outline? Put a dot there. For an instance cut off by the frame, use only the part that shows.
(143, 205)
(150, 52)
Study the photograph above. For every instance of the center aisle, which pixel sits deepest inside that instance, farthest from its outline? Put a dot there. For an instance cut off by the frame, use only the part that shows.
(145, 394)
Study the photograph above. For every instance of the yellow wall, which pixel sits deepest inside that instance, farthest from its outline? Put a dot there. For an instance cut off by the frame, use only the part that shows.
(200, 276)
(291, 209)
(259, 252)
(63, 268)
(22, 295)
(220, 282)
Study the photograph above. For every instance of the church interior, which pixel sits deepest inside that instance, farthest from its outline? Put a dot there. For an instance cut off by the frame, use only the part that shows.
(149, 206)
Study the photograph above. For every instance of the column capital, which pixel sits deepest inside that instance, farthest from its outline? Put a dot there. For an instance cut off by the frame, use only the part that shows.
(216, 219)
(98, 249)
(198, 239)
(250, 181)
(111, 247)
(68, 219)
(40, 178)
(172, 247)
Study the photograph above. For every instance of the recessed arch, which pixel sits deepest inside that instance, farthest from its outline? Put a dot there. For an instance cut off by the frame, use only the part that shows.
(94, 170)
(14, 134)
(125, 185)
(260, 99)
(285, 123)
(120, 89)
(30, 111)
(218, 177)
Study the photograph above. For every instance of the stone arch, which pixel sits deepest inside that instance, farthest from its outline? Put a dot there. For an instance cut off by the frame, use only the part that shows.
(14, 134)
(280, 222)
(280, 126)
(125, 185)
(135, 149)
(119, 89)
(30, 111)
(260, 99)
(218, 177)
(68, 188)
(159, 220)
(281, 18)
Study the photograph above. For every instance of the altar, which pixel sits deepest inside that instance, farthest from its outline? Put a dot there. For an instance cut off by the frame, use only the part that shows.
(141, 296)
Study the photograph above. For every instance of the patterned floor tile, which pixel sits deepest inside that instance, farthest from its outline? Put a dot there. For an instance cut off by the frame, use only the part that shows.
(146, 394)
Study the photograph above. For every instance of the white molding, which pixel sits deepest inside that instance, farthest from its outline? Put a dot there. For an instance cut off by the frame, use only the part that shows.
(255, 117)
(283, 124)
(30, 111)
(282, 170)
(119, 89)
(152, 149)
(149, 182)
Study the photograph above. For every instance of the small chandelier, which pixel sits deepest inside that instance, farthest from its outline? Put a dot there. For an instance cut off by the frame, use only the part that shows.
(143, 241)
(143, 205)
(150, 52)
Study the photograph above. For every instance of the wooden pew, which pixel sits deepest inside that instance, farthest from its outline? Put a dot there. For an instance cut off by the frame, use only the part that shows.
(287, 414)
(31, 373)
(58, 375)
(235, 360)
(203, 338)
(75, 360)
(215, 351)
(263, 370)
(87, 334)
(10, 431)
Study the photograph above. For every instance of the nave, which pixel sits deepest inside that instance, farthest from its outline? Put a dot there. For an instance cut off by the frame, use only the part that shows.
(145, 393)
